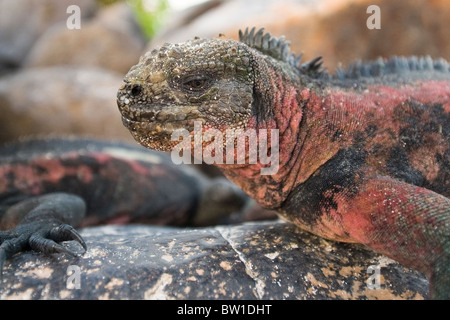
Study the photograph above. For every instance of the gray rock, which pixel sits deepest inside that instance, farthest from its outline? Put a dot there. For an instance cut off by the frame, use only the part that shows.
(96, 44)
(23, 21)
(61, 100)
(120, 17)
(266, 260)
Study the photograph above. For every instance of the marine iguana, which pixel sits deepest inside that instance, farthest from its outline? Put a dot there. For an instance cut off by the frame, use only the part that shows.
(364, 154)
(48, 186)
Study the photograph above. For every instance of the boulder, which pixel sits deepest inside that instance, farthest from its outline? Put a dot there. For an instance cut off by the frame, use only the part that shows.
(61, 100)
(265, 260)
(23, 21)
(111, 41)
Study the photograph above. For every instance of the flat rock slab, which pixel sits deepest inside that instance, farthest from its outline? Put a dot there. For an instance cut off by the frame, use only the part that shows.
(268, 260)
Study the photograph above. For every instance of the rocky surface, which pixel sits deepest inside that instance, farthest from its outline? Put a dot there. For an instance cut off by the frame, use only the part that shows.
(269, 260)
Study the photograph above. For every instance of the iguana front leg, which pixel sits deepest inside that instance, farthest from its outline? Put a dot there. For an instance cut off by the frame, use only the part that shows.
(412, 225)
(48, 219)
(405, 222)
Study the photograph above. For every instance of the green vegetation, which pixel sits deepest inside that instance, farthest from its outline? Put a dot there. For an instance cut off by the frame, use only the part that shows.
(149, 14)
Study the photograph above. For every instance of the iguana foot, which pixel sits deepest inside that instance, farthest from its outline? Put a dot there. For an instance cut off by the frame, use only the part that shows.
(45, 224)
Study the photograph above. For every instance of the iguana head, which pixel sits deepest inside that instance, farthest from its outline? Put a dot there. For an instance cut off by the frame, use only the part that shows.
(252, 92)
(210, 81)
(222, 83)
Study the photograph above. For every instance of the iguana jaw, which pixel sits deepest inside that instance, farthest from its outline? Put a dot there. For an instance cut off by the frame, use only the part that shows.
(152, 126)
(150, 134)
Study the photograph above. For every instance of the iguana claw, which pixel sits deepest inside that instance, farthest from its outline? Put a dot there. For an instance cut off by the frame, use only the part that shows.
(43, 227)
(40, 238)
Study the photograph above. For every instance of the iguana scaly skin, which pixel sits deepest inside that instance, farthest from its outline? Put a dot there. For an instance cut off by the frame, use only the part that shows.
(364, 154)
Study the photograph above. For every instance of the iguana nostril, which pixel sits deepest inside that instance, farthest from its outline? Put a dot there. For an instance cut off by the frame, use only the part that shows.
(136, 90)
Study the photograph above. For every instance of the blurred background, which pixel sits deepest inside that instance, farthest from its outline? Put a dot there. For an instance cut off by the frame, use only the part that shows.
(56, 80)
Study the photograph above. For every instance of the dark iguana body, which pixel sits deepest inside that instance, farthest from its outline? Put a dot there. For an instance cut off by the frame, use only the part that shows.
(48, 186)
(364, 155)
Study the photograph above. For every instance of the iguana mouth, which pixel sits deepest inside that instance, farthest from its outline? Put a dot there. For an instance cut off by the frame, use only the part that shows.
(157, 127)
(153, 134)
(140, 116)
(160, 114)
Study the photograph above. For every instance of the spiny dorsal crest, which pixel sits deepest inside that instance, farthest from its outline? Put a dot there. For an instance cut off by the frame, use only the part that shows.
(279, 48)
(393, 65)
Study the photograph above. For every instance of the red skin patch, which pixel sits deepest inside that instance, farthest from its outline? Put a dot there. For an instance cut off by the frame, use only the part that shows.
(116, 190)
(385, 214)
(343, 110)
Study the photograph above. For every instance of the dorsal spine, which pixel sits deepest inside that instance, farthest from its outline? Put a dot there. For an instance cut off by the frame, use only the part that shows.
(279, 48)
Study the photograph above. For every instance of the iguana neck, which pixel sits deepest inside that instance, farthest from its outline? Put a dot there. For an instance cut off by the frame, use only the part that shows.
(290, 111)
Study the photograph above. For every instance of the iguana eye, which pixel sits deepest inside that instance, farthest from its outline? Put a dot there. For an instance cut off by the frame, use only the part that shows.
(196, 83)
